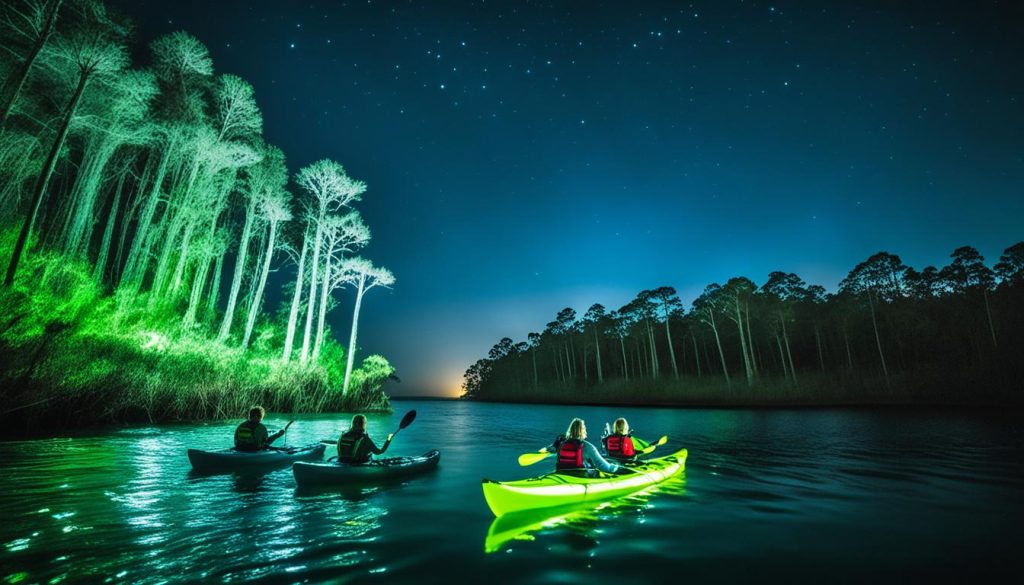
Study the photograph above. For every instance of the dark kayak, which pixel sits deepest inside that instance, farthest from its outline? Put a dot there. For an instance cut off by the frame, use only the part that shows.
(232, 460)
(377, 470)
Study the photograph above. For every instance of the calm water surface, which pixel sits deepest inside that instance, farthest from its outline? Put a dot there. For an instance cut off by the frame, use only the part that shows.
(815, 495)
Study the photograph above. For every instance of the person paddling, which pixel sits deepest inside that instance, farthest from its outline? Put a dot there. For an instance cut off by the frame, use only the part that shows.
(252, 436)
(574, 453)
(355, 446)
(620, 445)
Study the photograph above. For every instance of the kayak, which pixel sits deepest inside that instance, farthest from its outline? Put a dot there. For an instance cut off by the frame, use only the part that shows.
(231, 460)
(334, 473)
(559, 489)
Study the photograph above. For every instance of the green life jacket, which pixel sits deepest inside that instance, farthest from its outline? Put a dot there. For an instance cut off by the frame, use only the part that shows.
(246, 438)
(348, 447)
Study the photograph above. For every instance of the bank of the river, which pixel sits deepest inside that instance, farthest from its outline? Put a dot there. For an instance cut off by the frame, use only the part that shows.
(919, 388)
(809, 495)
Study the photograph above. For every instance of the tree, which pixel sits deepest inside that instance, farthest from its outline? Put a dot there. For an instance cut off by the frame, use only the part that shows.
(331, 189)
(364, 276)
(783, 292)
(274, 206)
(593, 318)
(706, 306)
(880, 278)
(93, 51)
(343, 235)
(668, 301)
(1010, 268)
(534, 342)
(265, 180)
(738, 291)
(967, 275)
(33, 20)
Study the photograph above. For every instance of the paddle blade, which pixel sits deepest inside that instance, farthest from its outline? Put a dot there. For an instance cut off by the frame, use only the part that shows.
(407, 419)
(531, 458)
(653, 446)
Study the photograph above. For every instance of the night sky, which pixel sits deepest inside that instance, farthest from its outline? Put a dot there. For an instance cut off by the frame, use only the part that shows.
(524, 157)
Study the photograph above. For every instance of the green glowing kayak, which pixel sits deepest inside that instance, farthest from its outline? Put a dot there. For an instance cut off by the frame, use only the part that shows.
(556, 489)
(232, 460)
(334, 473)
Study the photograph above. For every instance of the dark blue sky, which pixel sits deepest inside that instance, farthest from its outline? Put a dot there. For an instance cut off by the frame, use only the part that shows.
(524, 157)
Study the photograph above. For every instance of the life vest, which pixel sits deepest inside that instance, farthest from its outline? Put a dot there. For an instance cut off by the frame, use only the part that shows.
(620, 445)
(570, 455)
(245, 437)
(348, 447)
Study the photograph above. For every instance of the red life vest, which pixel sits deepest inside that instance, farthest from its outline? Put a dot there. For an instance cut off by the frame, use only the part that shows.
(620, 445)
(570, 455)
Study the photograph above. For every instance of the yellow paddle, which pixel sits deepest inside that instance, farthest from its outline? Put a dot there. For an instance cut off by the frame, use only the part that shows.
(650, 448)
(531, 458)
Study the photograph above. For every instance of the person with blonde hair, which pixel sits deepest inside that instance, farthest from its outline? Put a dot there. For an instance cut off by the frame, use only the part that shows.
(251, 435)
(575, 454)
(355, 446)
(620, 444)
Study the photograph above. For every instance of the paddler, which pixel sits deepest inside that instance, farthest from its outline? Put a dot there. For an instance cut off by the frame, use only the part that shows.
(251, 435)
(355, 446)
(620, 444)
(574, 453)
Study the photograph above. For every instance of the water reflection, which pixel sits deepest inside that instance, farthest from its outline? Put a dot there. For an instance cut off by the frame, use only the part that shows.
(579, 525)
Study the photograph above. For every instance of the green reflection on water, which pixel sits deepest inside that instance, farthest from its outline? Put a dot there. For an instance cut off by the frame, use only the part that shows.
(581, 522)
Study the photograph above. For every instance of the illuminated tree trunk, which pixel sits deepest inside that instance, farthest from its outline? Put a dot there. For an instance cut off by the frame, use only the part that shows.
(849, 355)
(597, 349)
(108, 232)
(198, 286)
(696, 355)
(16, 81)
(44, 177)
(293, 314)
(360, 289)
(988, 313)
(878, 340)
(257, 297)
(179, 268)
(211, 301)
(314, 269)
(138, 255)
(625, 364)
(817, 339)
(236, 279)
(533, 354)
(721, 354)
(655, 367)
(671, 350)
(88, 188)
(750, 339)
(743, 345)
(782, 357)
(789, 354)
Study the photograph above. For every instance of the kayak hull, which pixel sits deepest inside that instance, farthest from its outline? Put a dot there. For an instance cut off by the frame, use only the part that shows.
(341, 474)
(556, 489)
(227, 460)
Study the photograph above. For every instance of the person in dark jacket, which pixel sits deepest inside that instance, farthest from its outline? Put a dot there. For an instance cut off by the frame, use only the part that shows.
(355, 446)
(251, 435)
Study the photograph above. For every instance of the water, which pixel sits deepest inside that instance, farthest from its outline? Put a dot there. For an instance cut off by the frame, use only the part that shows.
(816, 495)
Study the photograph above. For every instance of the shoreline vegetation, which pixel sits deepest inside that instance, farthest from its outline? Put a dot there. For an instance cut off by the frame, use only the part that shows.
(161, 262)
(890, 335)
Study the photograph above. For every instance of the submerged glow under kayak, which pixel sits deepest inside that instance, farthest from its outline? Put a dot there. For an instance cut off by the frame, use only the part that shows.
(377, 470)
(557, 489)
(231, 460)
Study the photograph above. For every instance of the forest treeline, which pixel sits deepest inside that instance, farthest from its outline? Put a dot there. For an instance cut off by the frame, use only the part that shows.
(142, 213)
(889, 334)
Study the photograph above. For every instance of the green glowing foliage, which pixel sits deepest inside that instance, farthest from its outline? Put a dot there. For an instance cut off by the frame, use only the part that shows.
(163, 175)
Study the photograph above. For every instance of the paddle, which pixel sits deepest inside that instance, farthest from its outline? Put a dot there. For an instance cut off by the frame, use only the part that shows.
(531, 458)
(406, 421)
(650, 448)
